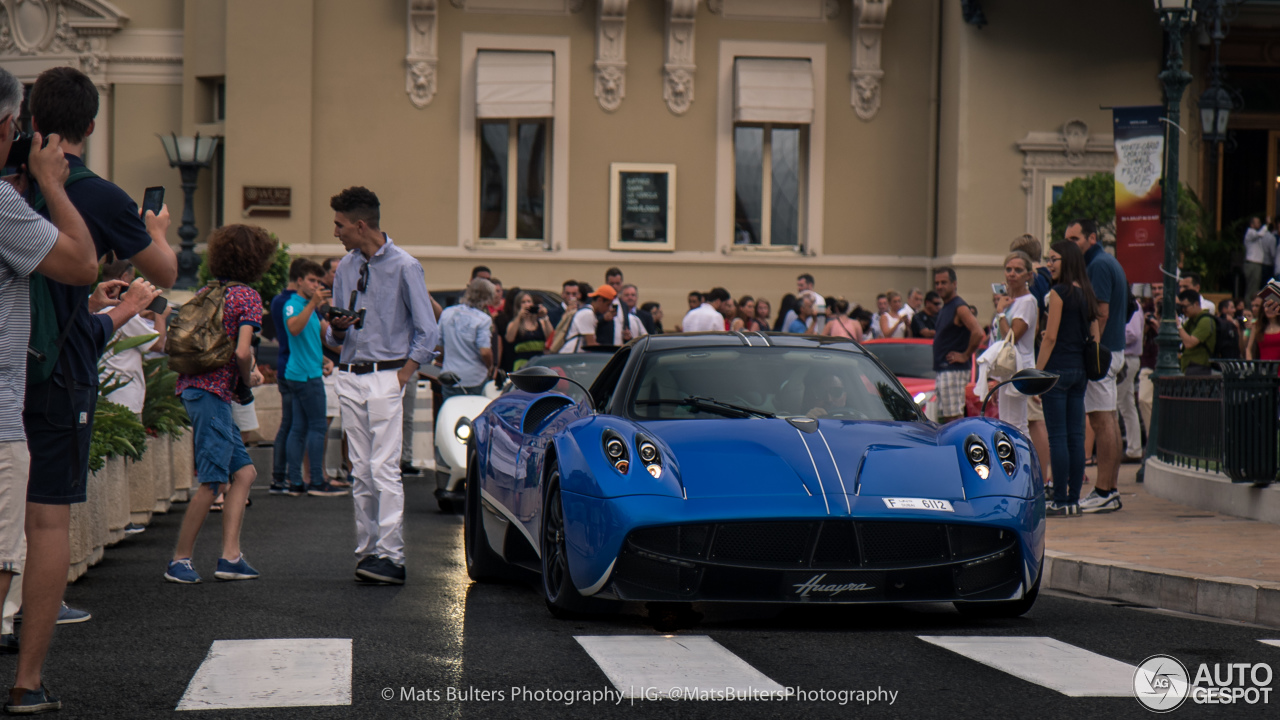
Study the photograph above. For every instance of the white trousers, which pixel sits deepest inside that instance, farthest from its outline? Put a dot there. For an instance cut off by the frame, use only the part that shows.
(371, 414)
(1127, 404)
(1013, 407)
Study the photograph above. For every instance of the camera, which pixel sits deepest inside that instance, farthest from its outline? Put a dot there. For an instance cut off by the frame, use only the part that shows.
(337, 312)
(20, 151)
(998, 288)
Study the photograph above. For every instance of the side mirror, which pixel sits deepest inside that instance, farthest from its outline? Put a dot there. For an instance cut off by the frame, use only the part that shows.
(1028, 382)
(448, 379)
(537, 379)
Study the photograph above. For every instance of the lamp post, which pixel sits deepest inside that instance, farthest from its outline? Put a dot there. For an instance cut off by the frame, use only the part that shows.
(1175, 16)
(1215, 108)
(189, 155)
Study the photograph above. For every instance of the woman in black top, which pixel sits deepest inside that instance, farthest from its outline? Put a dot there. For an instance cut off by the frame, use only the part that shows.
(527, 332)
(1073, 313)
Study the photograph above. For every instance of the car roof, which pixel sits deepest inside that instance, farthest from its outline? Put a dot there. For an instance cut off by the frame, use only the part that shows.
(900, 341)
(657, 343)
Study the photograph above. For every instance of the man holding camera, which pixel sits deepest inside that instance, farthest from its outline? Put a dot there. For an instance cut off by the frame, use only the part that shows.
(387, 331)
(58, 411)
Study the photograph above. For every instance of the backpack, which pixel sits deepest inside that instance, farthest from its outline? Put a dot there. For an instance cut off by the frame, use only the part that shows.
(198, 342)
(44, 347)
(1228, 341)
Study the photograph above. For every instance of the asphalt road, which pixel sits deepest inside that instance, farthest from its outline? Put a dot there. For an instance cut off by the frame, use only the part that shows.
(137, 657)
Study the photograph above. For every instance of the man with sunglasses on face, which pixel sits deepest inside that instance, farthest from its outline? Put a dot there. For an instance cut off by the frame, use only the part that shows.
(382, 350)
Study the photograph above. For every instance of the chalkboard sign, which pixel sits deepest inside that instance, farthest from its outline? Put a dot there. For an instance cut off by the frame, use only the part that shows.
(642, 213)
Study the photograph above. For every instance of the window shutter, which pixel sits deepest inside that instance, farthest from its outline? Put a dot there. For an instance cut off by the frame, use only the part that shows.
(515, 84)
(773, 90)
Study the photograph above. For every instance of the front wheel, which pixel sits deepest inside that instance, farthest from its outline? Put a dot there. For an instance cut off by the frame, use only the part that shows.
(563, 599)
(483, 564)
(1002, 609)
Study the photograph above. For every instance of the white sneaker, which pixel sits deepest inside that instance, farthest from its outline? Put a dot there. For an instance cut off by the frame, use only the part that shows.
(1096, 503)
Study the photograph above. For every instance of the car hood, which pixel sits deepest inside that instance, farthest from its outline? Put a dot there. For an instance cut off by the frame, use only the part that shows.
(771, 457)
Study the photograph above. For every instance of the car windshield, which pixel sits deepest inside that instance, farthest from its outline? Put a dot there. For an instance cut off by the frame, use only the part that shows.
(913, 360)
(583, 367)
(818, 382)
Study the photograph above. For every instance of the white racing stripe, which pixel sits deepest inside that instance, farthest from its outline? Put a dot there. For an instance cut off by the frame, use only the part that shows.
(1070, 670)
(649, 666)
(1271, 642)
(298, 672)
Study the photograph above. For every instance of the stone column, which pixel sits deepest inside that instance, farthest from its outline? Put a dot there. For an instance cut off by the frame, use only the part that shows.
(161, 472)
(182, 464)
(117, 486)
(142, 491)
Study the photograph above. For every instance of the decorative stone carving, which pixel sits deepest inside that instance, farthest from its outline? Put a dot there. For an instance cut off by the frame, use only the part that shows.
(678, 70)
(519, 6)
(1060, 156)
(611, 54)
(41, 28)
(420, 53)
(787, 10)
(864, 84)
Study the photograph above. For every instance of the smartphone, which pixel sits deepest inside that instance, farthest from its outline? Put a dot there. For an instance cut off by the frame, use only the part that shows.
(157, 306)
(153, 200)
(998, 288)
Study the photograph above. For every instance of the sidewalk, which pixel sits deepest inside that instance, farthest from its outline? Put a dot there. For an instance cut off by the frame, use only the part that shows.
(1160, 554)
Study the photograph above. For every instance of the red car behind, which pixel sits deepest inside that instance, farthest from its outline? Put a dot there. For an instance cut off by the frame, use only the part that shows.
(911, 360)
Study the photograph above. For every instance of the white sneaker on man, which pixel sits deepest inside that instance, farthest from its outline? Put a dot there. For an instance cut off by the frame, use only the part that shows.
(1096, 503)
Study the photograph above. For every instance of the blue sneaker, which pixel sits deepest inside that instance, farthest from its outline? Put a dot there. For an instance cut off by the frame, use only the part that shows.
(238, 570)
(180, 571)
(31, 702)
(66, 615)
(279, 488)
(325, 490)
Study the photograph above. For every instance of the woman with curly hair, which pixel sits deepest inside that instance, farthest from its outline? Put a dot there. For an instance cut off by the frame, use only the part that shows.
(236, 254)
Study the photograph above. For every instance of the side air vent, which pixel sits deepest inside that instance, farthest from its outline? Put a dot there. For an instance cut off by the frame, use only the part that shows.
(541, 411)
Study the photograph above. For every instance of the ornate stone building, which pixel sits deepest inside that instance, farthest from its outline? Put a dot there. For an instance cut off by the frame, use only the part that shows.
(863, 141)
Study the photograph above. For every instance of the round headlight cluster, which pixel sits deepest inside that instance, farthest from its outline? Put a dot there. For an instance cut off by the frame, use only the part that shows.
(615, 449)
(650, 457)
(978, 456)
(1004, 451)
(462, 431)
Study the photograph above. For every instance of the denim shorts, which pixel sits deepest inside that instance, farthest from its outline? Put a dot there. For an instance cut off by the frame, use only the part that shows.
(219, 450)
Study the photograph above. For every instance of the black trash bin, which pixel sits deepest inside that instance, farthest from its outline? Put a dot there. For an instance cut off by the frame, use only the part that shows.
(1250, 398)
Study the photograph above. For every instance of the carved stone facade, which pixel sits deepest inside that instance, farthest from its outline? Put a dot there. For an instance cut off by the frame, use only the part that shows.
(611, 54)
(420, 54)
(50, 30)
(864, 85)
(678, 71)
(1051, 159)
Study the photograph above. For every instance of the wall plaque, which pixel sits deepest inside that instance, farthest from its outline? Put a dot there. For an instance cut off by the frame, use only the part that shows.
(642, 206)
(267, 201)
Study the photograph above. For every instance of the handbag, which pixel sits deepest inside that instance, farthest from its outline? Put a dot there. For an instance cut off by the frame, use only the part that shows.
(1097, 358)
(1006, 361)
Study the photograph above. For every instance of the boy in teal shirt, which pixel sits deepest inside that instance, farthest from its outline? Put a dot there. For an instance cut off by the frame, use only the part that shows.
(304, 376)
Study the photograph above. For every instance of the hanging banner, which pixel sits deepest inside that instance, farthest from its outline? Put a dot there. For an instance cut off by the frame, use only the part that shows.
(1139, 138)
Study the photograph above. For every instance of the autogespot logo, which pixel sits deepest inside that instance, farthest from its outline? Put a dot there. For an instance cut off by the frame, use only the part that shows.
(1161, 683)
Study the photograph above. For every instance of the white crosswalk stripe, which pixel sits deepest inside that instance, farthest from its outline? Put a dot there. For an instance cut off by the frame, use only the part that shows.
(648, 666)
(1068, 669)
(1271, 642)
(297, 672)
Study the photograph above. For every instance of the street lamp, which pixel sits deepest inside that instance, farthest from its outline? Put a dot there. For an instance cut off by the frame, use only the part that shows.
(1175, 16)
(1215, 106)
(189, 155)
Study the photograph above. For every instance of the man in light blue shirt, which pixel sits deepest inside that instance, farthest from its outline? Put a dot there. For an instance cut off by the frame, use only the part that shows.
(395, 333)
(465, 336)
(304, 377)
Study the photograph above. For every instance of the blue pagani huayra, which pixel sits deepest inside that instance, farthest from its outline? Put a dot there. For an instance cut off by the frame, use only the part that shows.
(732, 467)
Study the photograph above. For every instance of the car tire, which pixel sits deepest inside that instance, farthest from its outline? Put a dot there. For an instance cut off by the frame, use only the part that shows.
(563, 599)
(483, 564)
(1002, 609)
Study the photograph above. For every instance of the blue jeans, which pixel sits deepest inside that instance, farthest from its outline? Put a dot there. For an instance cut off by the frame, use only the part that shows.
(309, 426)
(1064, 419)
(279, 452)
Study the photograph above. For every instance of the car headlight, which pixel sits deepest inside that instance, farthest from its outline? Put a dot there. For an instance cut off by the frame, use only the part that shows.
(462, 430)
(976, 451)
(1007, 455)
(616, 451)
(650, 456)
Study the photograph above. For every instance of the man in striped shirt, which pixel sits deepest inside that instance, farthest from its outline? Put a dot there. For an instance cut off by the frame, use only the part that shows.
(63, 251)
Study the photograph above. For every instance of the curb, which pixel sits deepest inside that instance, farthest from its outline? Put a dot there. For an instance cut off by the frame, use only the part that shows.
(1251, 601)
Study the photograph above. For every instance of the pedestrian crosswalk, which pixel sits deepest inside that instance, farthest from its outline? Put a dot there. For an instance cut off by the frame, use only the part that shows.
(295, 672)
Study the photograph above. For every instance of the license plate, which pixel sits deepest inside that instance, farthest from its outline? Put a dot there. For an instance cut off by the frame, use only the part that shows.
(917, 504)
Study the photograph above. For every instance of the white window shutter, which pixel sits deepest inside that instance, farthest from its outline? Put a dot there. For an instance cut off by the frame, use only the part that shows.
(773, 90)
(515, 84)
